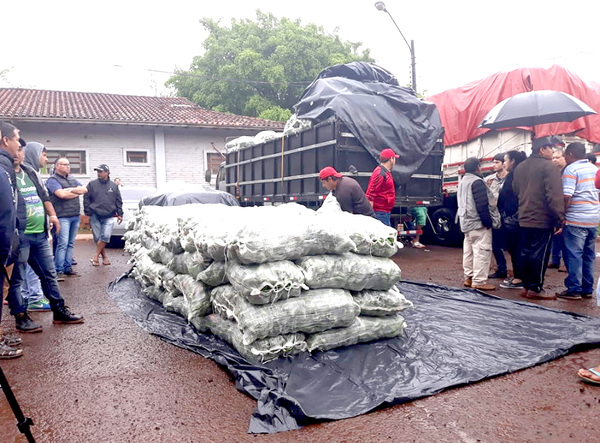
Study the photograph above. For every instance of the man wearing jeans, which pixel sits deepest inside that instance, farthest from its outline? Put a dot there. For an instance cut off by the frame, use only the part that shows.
(102, 203)
(581, 223)
(64, 192)
(381, 191)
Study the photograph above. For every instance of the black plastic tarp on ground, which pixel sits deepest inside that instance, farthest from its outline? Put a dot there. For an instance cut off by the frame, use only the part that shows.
(454, 336)
(377, 111)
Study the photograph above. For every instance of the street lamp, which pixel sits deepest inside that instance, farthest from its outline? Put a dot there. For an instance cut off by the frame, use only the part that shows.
(381, 7)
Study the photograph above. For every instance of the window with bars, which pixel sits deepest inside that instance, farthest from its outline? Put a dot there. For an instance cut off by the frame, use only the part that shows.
(136, 157)
(77, 159)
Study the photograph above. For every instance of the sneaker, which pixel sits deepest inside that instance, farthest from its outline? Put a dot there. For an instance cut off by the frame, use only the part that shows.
(7, 352)
(12, 341)
(498, 274)
(24, 323)
(587, 294)
(63, 315)
(42, 304)
(73, 262)
(508, 284)
(483, 287)
(72, 273)
(60, 276)
(568, 295)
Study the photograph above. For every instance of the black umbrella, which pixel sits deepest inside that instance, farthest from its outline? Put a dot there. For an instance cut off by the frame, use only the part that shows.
(535, 108)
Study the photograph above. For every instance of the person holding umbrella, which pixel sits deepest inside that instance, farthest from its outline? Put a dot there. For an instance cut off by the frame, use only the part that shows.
(538, 185)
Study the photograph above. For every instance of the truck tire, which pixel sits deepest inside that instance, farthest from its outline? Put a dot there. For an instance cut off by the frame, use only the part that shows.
(447, 232)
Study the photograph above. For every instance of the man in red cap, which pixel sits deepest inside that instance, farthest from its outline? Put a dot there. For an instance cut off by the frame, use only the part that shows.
(348, 192)
(381, 191)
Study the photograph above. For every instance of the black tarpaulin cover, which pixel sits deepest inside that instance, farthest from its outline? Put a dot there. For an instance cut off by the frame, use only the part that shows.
(379, 113)
(454, 336)
(178, 193)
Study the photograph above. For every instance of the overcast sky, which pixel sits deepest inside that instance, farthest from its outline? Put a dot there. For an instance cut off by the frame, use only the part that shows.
(116, 46)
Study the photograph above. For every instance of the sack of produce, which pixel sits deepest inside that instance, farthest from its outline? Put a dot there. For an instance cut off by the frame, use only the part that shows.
(313, 311)
(381, 303)
(349, 271)
(262, 350)
(214, 275)
(275, 238)
(160, 254)
(363, 329)
(267, 282)
(191, 263)
(196, 295)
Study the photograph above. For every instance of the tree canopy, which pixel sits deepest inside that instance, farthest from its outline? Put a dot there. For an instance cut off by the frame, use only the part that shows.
(259, 68)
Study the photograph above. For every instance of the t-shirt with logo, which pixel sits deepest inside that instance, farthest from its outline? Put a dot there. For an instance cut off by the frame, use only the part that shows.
(36, 216)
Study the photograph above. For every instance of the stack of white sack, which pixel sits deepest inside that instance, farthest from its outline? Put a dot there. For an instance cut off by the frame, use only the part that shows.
(280, 280)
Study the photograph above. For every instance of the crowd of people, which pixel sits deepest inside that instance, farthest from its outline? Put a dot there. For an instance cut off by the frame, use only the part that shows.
(38, 226)
(537, 209)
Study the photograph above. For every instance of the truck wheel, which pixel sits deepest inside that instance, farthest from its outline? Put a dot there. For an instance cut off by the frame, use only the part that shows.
(447, 232)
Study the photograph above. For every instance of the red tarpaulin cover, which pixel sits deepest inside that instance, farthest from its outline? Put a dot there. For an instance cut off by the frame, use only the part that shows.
(462, 109)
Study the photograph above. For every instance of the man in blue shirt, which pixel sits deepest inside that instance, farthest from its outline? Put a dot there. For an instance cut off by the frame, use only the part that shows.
(582, 214)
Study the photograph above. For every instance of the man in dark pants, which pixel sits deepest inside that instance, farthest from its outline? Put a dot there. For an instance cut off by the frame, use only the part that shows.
(35, 250)
(495, 182)
(8, 220)
(538, 184)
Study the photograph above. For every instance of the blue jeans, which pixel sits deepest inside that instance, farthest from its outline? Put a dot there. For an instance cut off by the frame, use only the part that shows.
(36, 251)
(579, 255)
(383, 217)
(101, 228)
(31, 287)
(498, 249)
(66, 243)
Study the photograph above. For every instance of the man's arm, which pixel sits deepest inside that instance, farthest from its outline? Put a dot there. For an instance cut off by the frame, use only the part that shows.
(7, 216)
(119, 202)
(480, 196)
(51, 213)
(87, 201)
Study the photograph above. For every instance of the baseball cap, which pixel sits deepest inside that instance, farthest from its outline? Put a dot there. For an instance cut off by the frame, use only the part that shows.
(102, 167)
(327, 172)
(387, 153)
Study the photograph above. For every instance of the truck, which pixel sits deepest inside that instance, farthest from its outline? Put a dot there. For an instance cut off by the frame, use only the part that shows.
(344, 119)
(462, 110)
(286, 169)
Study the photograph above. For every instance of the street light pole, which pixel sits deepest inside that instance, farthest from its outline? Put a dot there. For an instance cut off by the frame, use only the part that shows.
(411, 47)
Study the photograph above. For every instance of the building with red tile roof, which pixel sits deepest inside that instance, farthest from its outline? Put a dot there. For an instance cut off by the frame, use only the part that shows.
(146, 141)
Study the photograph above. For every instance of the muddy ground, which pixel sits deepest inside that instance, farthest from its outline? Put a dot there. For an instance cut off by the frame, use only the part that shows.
(109, 381)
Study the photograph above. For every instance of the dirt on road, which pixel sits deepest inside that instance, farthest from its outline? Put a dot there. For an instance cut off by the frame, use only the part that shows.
(109, 381)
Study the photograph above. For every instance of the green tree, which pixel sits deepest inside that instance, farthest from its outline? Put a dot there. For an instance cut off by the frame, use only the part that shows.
(259, 68)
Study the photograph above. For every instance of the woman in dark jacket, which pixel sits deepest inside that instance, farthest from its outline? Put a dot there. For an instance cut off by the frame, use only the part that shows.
(508, 205)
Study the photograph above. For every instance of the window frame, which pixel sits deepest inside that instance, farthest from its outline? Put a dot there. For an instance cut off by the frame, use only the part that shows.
(128, 163)
(62, 152)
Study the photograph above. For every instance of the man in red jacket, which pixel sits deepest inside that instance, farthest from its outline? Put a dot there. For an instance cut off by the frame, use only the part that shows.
(381, 191)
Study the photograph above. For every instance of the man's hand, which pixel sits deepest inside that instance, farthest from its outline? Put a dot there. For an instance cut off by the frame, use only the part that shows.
(119, 219)
(54, 223)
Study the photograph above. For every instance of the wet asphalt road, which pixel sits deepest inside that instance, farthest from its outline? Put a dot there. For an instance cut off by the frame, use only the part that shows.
(108, 381)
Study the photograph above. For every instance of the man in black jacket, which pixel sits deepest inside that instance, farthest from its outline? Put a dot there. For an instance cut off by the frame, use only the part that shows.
(102, 203)
(35, 250)
(8, 219)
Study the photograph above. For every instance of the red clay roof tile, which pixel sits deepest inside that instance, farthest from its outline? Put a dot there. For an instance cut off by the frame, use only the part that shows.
(28, 104)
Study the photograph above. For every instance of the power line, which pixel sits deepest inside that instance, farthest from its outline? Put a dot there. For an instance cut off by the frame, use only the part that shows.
(231, 80)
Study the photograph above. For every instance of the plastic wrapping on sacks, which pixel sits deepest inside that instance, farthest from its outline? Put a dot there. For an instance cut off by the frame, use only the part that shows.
(349, 271)
(262, 350)
(314, 311)
(381, 303)
(266, 282)
(363, 329)
(214, 274)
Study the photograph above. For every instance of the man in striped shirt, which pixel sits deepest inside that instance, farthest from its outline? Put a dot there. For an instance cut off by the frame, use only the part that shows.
(581, 223)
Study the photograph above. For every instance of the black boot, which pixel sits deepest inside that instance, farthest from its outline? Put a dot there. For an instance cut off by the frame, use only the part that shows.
(62, 315)
(24, 323)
